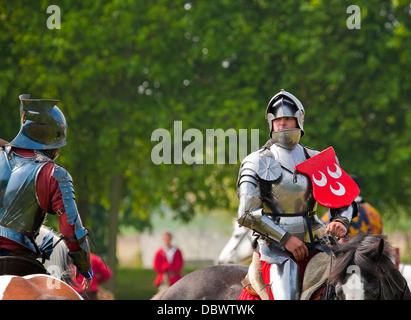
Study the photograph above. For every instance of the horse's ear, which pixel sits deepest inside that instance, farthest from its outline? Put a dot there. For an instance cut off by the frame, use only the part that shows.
(333, 244)
(333, 241)
(380, 250)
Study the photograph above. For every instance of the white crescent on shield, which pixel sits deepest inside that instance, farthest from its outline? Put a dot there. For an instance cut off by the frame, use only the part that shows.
(338, 192)
(336, 174)
(322, 182)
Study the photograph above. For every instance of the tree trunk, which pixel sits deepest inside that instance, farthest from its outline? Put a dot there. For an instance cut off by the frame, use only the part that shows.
(83, 208)
(117, 182)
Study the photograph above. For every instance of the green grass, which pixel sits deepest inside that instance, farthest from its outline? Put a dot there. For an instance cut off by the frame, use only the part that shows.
(137, 283)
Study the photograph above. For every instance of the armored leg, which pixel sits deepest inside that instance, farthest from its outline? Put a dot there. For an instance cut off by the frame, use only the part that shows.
(285, 280)
(284, 272)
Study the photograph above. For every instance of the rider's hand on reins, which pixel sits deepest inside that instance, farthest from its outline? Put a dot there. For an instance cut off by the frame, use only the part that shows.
(337, 229)
(86, 283)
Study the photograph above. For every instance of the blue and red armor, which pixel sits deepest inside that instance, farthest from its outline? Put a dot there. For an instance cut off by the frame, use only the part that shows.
(32, 185)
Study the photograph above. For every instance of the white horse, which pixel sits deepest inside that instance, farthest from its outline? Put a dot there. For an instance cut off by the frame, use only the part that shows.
(405, 270)
(238, 249)
(59, 263)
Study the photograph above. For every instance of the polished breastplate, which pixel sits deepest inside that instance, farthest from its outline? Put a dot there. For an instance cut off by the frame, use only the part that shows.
(289, 199)
(19, 207)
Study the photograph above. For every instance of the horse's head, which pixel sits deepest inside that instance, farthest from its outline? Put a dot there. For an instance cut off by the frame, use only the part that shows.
(364, 270)
(238, 249)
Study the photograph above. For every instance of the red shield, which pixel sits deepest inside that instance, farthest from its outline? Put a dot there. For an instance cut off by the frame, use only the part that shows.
(332, 186)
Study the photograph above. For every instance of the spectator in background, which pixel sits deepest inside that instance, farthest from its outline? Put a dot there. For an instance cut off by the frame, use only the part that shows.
(168, 264)
(102, 273)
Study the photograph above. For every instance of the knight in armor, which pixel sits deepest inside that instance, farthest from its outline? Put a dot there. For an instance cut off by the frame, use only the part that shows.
(32, 185)
(277, 201)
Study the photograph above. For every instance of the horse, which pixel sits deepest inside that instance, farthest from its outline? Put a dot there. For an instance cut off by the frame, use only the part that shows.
(217, 282)
(40, 286)
(362, 268)
(35, 287)
(238, 249)
(365, 270)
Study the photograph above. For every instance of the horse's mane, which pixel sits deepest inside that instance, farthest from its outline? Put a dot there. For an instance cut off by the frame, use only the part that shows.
(364, 251)
(59, 263)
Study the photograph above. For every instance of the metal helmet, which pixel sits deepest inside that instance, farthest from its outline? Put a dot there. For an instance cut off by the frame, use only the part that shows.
(284, 104)
(43, 125)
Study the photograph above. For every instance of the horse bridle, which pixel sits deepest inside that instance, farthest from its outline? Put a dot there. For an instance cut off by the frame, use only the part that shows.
(391, 282)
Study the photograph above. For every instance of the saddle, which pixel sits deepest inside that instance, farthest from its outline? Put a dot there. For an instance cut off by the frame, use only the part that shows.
(315, 277)
(20, 266)
(253, 281)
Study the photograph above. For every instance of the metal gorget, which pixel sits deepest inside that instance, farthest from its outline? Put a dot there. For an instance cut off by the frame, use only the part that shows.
(286, 138)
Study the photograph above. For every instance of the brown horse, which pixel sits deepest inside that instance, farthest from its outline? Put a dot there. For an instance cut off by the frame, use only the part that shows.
(26, 279)
(35, 287)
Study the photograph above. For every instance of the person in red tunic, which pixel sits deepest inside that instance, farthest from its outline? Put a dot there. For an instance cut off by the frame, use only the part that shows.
(102, 273)
(168, 263)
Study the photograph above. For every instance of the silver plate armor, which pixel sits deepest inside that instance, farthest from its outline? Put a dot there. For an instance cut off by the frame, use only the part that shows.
(280, 206)
(286, 198)
(278, 202)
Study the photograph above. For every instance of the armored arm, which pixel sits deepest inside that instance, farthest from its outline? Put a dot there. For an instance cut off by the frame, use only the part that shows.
(345, 214)
(250, 210)
(81, 257)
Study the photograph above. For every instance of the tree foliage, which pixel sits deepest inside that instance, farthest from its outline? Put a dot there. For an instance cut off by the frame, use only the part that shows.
(123, 69)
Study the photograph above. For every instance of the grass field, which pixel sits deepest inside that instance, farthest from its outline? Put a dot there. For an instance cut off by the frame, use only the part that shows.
(137, 283)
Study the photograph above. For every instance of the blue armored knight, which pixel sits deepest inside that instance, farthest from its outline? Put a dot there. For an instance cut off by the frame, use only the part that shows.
(32, 185)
